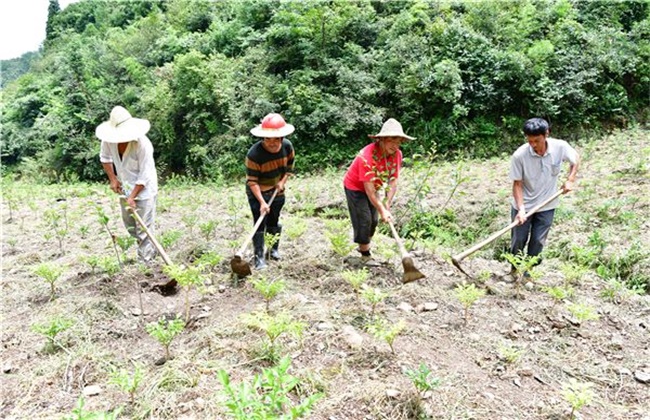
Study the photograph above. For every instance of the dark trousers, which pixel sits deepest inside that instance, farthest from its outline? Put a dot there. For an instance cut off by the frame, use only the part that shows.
(534, 232)
(272, 217)
(363, 215)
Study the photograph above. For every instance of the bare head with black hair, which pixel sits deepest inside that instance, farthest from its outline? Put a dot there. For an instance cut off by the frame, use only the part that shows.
(536, 127)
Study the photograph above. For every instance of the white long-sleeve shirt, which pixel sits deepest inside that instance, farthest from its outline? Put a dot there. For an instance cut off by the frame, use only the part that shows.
(135, 167)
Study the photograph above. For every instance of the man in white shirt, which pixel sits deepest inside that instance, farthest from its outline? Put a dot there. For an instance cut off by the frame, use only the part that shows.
(127, 157)
(534, 171)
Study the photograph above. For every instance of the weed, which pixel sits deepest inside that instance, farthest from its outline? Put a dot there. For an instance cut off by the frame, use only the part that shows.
(523, 266)
(50, 273)
(383, 330)
(78, 413)
(208, 228)
(356, 278)
(573, 273)
(617, 291)
(468, 294)
(273, 326)
(127, 381)
(559, 293)
(295, 228)
(266, 396)
(577, 395)
(582, 312)
(374, 296)
(186, 278)
(509, 354)
(269, 289)
(170, 237)
(51, 329)
(164, 331)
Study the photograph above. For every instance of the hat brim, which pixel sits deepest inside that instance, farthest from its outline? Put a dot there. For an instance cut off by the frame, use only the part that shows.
(127, 131)
(381, 135)
(266, 133)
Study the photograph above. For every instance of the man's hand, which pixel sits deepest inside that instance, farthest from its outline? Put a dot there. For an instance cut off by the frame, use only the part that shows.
(264, 207)
(280, 185)
(521, 216)
(116, 186)
(567, 187)
(131, 202)
(386, 215)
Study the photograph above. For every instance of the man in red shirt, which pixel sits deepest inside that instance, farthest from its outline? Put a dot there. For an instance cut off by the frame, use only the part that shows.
(376, 167)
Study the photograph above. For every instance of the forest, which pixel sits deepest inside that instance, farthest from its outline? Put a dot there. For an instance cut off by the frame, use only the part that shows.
(460, 76)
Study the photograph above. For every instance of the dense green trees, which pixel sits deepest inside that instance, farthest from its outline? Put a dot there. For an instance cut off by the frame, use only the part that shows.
(459, 75)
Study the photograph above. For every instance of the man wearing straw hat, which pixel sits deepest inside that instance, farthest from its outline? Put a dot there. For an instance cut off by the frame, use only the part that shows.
(375, 167)
(127, 157)
(269, 163)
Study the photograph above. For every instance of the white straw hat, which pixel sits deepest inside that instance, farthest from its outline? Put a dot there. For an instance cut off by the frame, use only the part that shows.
(272, 126)
(122, 127)
(391, 128)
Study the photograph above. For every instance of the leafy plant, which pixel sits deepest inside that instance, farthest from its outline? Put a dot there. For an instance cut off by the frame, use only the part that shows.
(267, 396)
(617, 291)
(165, 331)
(127, 381)
(374, 296)
(50, 273)
(356, 278)
(509, 354)
(170, 237)
(273, 326)
(577, 395)
(582, 312)
(295, 228)
(559, 293)
(104, 220)
(269, 289)
(523, 267)
(78, 413)
(190, 221)
(51, 329)
(208, 260)
(186, 278)
(270, 239)
(468, 294)
(383, 330)
(208, 228)
(57, 225)
(125, 242)
(573, 273)
(109, 265)
(422, 378)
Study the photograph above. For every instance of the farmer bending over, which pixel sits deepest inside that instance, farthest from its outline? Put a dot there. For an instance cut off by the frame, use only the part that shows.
(269, 162)
(534, 170)
(374, 168)
(127, 157)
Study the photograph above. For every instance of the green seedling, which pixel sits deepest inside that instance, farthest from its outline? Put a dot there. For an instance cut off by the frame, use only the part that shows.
(617, 291)
(582, 312)
(125, 242)
(295, 229)
(523, 268)
(51, 329)
(109, 265)
(270, 239)
(164, 331)
(78, 413)
(468, 294)
(186, 278)
(127, 381)
(559, 293)
(104, 220)
(50, 273)
(170, 237)
(269, 289)
(573, 273)
(273, 326)
(83, 231)
(338, 235)
(208, 228)
(383, 330)
(267, 396)
(422, 379)
(56, 225)
(510, 354)
(374, 296)
(577, 395)
(356, 279)
(190, 221)
(208, 261)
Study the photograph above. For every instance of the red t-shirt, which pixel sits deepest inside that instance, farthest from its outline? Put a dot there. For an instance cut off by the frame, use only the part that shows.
(370, 165)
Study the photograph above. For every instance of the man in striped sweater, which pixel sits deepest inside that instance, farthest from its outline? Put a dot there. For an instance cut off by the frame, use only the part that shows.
(269, 163)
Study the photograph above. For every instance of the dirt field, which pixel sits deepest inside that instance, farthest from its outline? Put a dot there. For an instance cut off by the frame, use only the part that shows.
(510, 360)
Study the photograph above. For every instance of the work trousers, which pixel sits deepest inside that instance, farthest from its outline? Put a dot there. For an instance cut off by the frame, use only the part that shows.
(363, 215)
(273, 217)
(534, 232)
(147, 211)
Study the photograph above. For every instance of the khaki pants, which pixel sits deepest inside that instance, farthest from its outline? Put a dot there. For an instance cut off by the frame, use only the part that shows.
(147, 211)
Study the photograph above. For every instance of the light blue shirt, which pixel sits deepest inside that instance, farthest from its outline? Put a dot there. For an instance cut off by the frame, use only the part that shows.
(540, 173)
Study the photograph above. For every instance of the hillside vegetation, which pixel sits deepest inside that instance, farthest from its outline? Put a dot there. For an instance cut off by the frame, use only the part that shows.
(459, 75)
(325, 335)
